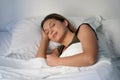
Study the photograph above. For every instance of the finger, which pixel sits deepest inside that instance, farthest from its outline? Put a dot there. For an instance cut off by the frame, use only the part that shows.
(48, 55)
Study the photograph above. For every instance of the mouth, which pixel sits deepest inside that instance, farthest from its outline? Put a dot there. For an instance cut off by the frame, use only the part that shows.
(55, 35)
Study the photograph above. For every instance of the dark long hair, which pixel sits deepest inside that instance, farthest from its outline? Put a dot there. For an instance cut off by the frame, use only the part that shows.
(60, 18)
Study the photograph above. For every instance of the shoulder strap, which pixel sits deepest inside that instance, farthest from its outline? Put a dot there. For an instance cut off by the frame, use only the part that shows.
(60, 49)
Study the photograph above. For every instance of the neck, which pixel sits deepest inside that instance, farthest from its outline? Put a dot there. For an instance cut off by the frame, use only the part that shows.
(67, 38)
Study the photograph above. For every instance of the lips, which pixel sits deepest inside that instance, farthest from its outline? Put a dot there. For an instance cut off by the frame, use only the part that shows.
(54, 35)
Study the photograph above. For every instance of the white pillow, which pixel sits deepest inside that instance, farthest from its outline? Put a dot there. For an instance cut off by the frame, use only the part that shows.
(26, 35)
(94, 21)
(111, 29)
(5, 41)
(26, 38)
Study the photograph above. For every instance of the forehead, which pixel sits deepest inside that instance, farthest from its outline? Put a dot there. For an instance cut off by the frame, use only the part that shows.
(48, 22)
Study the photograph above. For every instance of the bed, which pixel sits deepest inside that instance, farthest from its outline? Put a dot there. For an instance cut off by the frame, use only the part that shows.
(20, 40)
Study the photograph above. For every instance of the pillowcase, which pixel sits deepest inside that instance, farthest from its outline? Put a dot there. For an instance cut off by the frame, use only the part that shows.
(111, 29)
(26, 35)
(94, 21)
(5, 41)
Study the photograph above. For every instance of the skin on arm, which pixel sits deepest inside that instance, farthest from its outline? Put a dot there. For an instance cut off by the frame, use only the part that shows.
(90, 51)
(43, 46)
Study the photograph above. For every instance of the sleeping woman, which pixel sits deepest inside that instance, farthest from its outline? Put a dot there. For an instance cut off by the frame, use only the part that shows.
(79, 47)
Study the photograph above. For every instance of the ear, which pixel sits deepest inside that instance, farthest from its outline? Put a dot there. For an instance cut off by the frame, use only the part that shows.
(66, 23)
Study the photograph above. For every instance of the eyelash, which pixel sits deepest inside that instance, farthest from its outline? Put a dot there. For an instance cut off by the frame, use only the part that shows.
(53, 25)
(47, 32)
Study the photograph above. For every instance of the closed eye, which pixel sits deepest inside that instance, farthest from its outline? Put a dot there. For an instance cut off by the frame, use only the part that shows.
(52, 24)
(46, 31)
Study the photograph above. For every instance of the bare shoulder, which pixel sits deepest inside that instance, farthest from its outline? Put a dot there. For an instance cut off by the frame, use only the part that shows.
(85, 31)
(88, 39)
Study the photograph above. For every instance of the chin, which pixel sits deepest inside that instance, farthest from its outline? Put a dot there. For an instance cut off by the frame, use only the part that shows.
(56, 40)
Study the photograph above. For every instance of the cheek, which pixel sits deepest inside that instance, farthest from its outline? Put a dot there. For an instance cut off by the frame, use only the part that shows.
(57, 38)
(60, 30)
(61, 33)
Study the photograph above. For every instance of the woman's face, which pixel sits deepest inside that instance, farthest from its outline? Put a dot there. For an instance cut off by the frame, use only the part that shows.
(55, 29)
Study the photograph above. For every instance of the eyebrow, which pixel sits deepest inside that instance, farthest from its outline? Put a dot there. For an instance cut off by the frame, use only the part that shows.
(48, 24)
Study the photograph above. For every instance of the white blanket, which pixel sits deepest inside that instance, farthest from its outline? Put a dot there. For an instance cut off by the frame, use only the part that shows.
(34, 68)
(37, 69)
(13, 69)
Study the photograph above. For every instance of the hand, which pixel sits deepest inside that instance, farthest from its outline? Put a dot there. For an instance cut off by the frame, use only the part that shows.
(52, 60)
(44, 36)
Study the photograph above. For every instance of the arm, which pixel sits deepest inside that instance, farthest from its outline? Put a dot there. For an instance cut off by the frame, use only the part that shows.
(43, 46)
(42, 49)
(90, 51)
